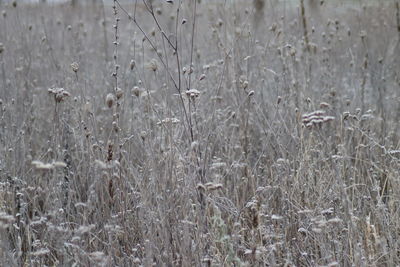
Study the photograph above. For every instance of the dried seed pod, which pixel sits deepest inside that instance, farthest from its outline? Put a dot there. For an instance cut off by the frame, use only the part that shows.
(193, 93)
(59, 94)
(119, 93)
(132, 64)
(75, 67)
(153, 65)
(136, 91)
(110, 98)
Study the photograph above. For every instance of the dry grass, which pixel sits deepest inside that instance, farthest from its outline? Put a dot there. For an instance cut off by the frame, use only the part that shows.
(243, 137)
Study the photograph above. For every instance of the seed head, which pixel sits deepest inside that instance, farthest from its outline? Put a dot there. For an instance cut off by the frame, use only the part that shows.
(152, 65)
(110, 98)
(59, 94)
(119, 93)
(245, 84)
(143, 135)
(193, 93)
(132, 64)
(75, 67)
(136, 91)
(279, 100)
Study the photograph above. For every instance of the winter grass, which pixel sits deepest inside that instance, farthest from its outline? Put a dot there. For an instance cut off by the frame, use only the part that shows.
(200, 134)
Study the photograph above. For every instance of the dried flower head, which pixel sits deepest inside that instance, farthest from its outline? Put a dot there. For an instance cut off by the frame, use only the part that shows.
(59, 94)
(110, 98)
(132, 64)
(193, 93)
(143, 135)
(75, 67)
(119, 93)
(153, 65)
(136, 91)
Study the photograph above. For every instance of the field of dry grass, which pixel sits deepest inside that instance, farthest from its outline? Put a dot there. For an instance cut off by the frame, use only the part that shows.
(200, 134)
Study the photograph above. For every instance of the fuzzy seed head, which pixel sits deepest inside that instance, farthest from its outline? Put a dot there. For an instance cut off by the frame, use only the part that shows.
(153, 65)
(59, 94)
(193, 93)
(110, 100)
(136, 91)
(75, 67)
(119, 93)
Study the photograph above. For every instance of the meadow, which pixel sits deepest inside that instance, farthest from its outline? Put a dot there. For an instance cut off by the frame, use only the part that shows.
(200, 133)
